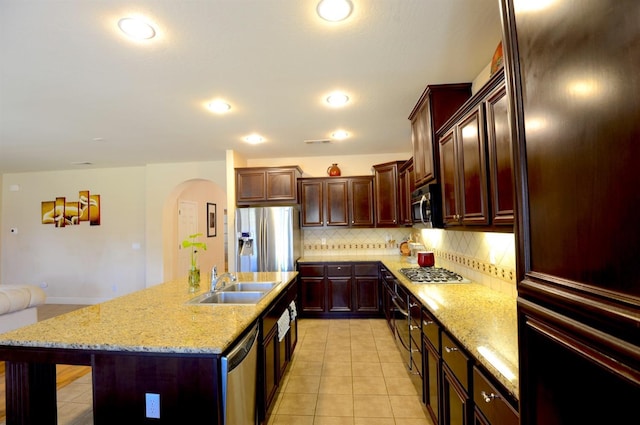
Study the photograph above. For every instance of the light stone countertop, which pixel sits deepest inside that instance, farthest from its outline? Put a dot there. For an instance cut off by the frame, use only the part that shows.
(156, 319)
(484, 321)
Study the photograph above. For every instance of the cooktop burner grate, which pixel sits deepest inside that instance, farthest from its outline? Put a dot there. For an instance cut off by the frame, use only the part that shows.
(432, 275)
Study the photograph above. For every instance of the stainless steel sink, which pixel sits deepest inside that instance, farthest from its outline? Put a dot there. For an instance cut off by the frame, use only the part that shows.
(222, 297)
(250, 286)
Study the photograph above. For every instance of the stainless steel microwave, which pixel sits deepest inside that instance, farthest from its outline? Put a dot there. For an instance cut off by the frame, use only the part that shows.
(426, 207)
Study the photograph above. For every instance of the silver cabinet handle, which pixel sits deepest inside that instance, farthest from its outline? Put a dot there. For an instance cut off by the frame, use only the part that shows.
(450, 349)
(413, 327)
(427, 322)
(488, 398)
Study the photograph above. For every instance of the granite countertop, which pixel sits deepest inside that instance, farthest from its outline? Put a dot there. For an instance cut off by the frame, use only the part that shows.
(484, 321)
(155, 319)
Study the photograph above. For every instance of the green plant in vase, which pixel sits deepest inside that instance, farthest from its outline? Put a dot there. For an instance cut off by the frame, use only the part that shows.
(194, 271)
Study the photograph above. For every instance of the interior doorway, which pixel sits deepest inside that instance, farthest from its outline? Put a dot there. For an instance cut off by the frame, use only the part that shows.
(187, 225)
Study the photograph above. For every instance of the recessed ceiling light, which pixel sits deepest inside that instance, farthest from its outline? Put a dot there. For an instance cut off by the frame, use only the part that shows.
(136, 28)
(219, 106)
(340, 134)
(254, 139)
(334, 10)
(337, 99)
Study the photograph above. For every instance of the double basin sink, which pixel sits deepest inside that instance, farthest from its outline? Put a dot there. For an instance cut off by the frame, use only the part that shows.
(236, 293)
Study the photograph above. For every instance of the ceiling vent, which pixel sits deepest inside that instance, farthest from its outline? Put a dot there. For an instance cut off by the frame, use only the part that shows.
(317, 141)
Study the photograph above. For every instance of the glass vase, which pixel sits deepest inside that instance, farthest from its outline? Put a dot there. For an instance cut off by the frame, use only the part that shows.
(194, 279)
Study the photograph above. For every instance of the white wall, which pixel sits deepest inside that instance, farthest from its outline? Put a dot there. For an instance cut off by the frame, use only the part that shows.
(89, 264)
(350, 165)
(81, 263)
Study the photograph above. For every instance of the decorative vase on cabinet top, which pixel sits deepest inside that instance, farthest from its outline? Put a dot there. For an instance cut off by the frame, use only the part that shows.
(333, 171)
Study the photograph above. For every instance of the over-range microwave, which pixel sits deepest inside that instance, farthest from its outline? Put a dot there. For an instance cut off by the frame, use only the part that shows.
(426, 207)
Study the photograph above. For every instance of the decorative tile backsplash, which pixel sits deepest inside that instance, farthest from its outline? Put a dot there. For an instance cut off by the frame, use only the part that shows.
(486, 258)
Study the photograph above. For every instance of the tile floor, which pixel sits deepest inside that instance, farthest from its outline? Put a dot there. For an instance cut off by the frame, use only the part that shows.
(347, 372)
(343, 372)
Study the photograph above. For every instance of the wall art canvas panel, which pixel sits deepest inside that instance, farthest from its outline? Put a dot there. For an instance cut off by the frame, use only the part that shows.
(94, 210)
(211, 220)
(59, 212)
(83, 196)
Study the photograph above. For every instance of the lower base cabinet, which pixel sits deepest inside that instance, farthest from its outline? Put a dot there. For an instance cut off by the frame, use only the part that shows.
(275, 352)
(339, 289)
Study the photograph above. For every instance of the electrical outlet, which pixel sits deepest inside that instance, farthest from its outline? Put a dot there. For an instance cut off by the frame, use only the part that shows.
(152, 405)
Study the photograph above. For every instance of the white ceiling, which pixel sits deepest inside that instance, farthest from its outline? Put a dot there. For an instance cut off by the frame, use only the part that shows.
(74, 89)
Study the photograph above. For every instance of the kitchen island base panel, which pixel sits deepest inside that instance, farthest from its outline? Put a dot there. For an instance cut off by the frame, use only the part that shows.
(31, 393)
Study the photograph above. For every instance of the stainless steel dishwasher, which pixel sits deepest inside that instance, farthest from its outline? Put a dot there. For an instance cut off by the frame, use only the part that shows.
(239, 369)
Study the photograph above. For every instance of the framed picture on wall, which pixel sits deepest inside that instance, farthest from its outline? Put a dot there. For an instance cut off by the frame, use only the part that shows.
(211, 220)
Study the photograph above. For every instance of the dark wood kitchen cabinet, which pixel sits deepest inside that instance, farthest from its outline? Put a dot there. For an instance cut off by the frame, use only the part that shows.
(337, 202)
(339, 289)
(267, 185)
(464, 171)
(476, 165)
(434, 107)
(491, 407)
(431, 366)
(456, 381)
(575, 128)
(407, 186)
(387, 193)
(274, 352)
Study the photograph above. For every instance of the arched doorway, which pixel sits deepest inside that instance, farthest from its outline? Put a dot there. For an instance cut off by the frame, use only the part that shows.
(196, 193)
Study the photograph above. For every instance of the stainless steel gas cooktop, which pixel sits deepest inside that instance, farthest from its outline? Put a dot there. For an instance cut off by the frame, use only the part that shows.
(432, 275)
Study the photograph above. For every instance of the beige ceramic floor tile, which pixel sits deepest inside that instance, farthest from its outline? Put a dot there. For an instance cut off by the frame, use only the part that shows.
(364, 356)
(336, 369)
(369, 385)
(301, 368)
(290, 420)
(335, 385)
(412, 421)
(366, 369)
(333, 420)
(339, 344)
(400, 386)
(372, 406)
(313, 344)
(374, 421)
(407, 407)
(393, 370)
(391, 355)
(297, 404)
(303, 384)
(308, 355)
(337, 355)
(334, 405)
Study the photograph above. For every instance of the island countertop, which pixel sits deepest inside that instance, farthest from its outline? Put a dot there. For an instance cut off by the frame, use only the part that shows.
(483, 320)
(156, 320)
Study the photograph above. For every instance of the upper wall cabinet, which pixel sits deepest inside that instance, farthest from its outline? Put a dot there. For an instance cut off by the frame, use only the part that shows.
(476, 161)
(388, 194)
(407, 186)
(337, 201)
(436, 105)
(260, 185)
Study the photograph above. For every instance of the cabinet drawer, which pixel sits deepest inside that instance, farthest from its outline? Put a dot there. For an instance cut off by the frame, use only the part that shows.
(339, 270)
(308, 270)
(367, 269)
(491, 402)
(431, 330)
(456, 359)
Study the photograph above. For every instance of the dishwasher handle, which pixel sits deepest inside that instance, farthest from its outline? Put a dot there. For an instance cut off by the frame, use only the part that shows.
(240, 351)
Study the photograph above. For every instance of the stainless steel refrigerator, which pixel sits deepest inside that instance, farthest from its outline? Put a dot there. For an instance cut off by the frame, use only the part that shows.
(268, 239)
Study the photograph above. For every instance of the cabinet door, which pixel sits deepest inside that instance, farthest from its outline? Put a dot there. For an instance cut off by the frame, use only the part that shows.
(361, 201)
(281, 185)
(339, 294)
(251, 186)
(473, 169)
(386, 185)
(336, 202)
(367, 296)
(311, 195)
(449, 178)
(407, 186)
(270, 367)
(422, 143)
(431, 373)
(312, 297)
(500, 157)
(455, 401)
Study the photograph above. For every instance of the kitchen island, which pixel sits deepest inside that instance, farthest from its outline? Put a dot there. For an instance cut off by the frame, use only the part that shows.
(149, 341)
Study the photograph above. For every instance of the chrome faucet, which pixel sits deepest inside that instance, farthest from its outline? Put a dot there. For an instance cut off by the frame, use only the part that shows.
(215, 279)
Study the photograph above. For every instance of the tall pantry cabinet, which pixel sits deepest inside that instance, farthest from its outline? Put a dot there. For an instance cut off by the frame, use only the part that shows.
(573, 84)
